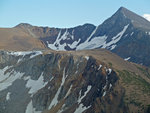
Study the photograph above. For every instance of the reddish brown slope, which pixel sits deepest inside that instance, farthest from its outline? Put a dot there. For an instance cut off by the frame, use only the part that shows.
(17, 39)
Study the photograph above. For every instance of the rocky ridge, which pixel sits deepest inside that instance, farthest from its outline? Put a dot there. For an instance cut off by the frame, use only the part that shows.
(50, 82)
(124, 33)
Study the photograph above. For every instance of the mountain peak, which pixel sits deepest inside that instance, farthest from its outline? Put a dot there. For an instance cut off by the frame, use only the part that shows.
(135, 19)
(26, 25)
(122, 9)
(125, 11)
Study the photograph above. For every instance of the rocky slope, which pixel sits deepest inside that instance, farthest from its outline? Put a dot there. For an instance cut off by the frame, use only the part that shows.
(60, 82)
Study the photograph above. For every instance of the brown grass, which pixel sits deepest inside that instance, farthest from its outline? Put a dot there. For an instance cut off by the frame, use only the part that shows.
(15, 39)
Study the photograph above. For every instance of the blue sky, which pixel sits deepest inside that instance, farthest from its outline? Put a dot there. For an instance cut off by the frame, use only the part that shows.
(64, 13)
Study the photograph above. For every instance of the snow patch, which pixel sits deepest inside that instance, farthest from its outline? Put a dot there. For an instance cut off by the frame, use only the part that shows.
(81, 108)
(99, 67)
(30, 108)
(55, 99)
(126, 59)
(94, 43)
(104, 93)
(87, 57)
(62, 109)
(113, 47)
(132, 33)
(90, 43)
(104, 88)
(4, 76)
(74, 44)
(20, 53)
(109, 71)
(57, 46)
(110, 85)
(20, 59)
(35, 85)
(126, 35)
(36, 54)
(72, 36)
(147, 33)
(11, 77)
(8, 96)
(76, 72)
(115, 39)
(24, 53)
(106, 83)
(80, 98)
(69, 91)
(51, 79)
(100, 41)
(64, 36)
(92, 34)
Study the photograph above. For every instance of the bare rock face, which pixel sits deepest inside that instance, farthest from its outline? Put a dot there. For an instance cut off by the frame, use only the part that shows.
(71, 82)
(53, 82)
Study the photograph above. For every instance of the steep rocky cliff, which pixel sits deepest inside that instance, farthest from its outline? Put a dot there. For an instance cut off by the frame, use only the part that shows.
(67, 82)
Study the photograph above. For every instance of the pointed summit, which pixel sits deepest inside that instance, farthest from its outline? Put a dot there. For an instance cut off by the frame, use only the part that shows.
(127, 13)
(137, 20)
(122, 9)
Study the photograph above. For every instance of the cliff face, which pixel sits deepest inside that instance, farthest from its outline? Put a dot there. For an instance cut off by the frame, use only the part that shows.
(53, 82)
(67, 82)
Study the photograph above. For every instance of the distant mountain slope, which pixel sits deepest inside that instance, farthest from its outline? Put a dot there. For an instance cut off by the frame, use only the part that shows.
(124, 33)
(57, 38)
(90, 81)
(16, 39)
